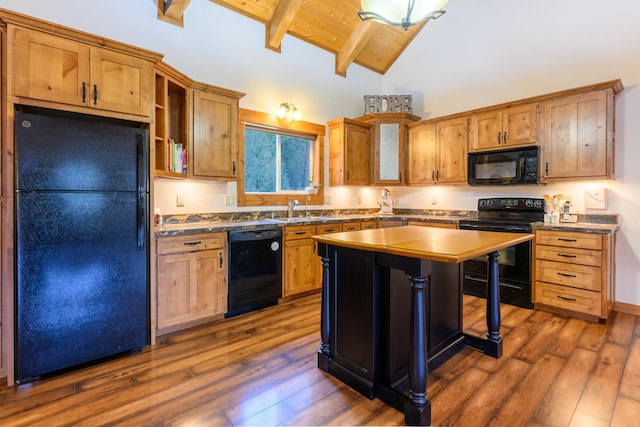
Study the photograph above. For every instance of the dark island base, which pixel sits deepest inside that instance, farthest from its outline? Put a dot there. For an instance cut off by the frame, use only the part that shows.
(394, 320)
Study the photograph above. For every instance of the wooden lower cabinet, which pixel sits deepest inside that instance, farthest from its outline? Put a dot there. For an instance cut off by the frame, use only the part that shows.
(192, 284)
(574, 272)
(300, 260)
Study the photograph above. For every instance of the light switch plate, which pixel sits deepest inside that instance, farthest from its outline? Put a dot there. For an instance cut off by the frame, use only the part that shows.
(228, 200)
(179, 200)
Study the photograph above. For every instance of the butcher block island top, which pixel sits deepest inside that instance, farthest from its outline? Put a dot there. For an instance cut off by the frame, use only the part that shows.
(430, 243)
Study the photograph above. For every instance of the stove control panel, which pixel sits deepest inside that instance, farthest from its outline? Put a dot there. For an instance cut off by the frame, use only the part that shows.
(511, 203)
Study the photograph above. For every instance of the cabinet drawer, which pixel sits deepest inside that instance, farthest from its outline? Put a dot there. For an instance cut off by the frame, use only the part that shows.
(351, 226)
(299, 232)
(569, 255)
(368, 225)
(576, 276)
(569, 240)
(198, 242)
(328, 228)
(569, 298)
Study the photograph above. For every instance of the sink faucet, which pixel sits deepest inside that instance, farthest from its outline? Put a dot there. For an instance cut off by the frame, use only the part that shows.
(306, 213)
(290, 205)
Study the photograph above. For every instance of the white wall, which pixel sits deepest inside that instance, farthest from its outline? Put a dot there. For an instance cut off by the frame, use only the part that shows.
(481, 52)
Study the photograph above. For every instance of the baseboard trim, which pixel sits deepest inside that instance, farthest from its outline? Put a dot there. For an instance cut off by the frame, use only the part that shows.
(627, 308)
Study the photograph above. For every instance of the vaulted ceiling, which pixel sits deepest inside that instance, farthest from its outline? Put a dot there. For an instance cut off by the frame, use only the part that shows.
(332, 25)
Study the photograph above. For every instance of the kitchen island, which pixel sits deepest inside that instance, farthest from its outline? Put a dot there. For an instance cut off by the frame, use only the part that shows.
(392, 308)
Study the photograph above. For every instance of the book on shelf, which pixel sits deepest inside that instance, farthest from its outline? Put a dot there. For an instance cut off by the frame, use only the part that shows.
(176, 157)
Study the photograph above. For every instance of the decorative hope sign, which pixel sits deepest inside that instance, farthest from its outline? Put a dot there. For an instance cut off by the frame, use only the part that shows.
(387, 104)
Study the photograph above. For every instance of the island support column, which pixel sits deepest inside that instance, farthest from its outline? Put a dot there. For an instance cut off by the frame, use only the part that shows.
(492, 344)
(417, 409)
(324, 353)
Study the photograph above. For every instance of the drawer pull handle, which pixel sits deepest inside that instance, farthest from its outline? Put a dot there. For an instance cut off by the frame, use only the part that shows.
(191, 243)
(299, 233)
(220, 255)
(329, 230)
(566, 299)
(564, 239)
(566, 275)
(567, 256)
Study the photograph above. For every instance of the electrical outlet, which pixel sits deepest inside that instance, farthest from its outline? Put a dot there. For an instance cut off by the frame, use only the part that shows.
(228, 200)
(434, 200)
(359, 200)
(179, 200)
(327, 200)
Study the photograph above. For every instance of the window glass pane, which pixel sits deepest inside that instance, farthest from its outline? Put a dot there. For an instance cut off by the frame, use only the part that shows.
(260, 170)
(296, 163)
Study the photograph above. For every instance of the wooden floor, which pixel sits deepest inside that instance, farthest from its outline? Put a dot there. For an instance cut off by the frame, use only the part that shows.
(260, 369)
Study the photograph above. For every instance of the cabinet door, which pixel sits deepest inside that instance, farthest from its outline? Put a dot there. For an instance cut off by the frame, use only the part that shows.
(451, 143)
(507, 128)
(215, 135)
(576, 136)
(191, 286)
(389, 142)
(50, 68)
(519, 125)
(300, 266)
(421, 155)
(120, 82)
(349, 153)
(486, 131)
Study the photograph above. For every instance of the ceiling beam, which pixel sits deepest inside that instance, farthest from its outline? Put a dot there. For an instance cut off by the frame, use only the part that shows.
(281, 20)
(356, 41)
(172, 11)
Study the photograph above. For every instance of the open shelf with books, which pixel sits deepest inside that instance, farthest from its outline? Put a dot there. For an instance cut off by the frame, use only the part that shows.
(171, 123)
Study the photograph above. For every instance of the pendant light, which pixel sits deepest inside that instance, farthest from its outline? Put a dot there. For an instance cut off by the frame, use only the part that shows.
(402, 13)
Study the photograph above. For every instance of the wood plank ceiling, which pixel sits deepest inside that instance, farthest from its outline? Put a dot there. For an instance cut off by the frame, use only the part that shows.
(332, 25)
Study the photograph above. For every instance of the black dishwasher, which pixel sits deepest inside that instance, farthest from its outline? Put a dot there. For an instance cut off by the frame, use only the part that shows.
(255, 270)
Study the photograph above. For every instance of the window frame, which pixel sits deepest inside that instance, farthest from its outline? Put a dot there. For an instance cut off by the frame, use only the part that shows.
(272, 123)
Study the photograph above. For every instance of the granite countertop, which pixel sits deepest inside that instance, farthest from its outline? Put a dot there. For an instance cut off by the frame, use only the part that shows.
(202, 224)
(586, 227)
(185, 228)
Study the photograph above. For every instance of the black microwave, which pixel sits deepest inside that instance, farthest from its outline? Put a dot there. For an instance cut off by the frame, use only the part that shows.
(517, 166)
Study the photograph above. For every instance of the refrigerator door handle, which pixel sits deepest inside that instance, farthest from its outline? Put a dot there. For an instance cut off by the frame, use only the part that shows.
(141, 169)
(140, 221)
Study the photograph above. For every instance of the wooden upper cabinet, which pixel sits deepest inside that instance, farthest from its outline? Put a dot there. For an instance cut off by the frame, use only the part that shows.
(576, 136)
(504, 128)
(421, 154)
(214, 150)
(349, 152)
(66, 71)
(389, 139)
(437, 152)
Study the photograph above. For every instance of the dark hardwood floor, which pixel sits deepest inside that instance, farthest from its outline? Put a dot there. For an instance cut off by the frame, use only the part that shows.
(260, 369)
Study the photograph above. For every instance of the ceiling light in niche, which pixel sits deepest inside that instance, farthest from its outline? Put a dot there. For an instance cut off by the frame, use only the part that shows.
(288, 111)
(402, 13)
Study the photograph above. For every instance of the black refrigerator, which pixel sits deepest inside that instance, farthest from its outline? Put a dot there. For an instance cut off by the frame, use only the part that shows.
(81, 235)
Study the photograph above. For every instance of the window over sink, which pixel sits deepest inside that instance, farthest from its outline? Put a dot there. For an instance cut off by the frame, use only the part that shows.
(280, 160)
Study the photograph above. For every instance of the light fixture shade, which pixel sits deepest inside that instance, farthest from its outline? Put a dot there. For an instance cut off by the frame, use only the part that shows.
(401, 12)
